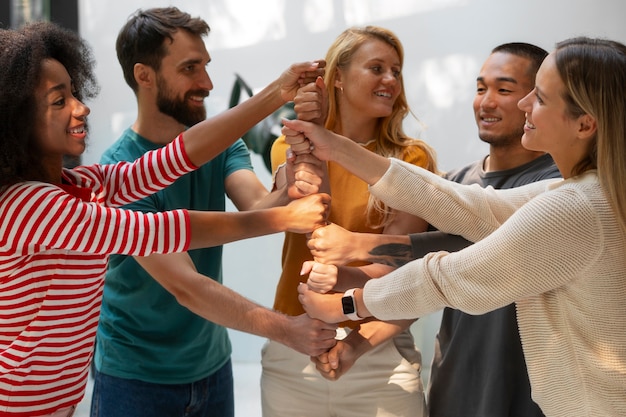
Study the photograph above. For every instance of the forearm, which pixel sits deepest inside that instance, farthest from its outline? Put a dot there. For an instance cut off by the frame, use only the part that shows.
(350, 277)
(207, 139)
(217, 228)
(426, 242)
(211, 300)
(392, 250)
(276, 198)
(373, 333)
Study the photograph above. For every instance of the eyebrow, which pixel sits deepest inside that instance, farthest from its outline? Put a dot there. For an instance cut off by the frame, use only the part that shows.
(500, 79)
(58, 87)
(192, 61)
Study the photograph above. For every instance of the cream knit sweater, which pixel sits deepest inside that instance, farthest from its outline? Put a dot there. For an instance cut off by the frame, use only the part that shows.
(554, 247)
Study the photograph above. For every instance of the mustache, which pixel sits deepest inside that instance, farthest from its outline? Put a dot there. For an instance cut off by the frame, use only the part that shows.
(203, 93)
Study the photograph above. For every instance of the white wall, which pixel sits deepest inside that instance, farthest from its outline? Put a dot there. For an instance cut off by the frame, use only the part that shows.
(446, 41)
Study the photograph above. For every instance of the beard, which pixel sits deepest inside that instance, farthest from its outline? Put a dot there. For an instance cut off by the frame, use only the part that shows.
(178, 108)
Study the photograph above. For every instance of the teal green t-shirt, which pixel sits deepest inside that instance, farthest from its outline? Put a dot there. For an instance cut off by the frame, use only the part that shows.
(143, 332)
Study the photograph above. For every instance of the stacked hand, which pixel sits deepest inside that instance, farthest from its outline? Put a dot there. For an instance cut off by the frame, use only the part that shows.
(307, 214)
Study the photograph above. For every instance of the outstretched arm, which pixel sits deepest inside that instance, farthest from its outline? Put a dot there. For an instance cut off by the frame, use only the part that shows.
(332, 244)
(207, 139)
(216, 228)
(221, 305)
(329, 146)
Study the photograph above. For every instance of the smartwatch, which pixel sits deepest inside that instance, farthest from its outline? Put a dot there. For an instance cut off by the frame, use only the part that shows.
(349, 305)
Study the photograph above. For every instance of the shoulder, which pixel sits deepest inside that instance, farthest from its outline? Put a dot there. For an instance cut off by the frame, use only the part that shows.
(471, 170)
(418, 154)
(128, 147)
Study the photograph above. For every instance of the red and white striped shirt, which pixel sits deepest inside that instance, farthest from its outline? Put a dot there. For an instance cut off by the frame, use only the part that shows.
(54, 247)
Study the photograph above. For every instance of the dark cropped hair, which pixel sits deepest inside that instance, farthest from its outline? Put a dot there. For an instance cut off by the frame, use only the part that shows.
(533, 53)
(22, 52)
(141, 40)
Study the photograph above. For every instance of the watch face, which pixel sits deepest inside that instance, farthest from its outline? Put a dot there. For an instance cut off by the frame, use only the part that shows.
(348, 305)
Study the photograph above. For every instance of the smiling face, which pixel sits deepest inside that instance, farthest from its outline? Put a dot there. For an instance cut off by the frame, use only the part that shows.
(182, 81)
(61, 117)
(549, 127)
(503, 81)
(372, 81)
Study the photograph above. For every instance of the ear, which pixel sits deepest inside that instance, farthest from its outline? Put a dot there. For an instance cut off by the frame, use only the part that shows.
(144, 75)
(587, 127)
(338, 82)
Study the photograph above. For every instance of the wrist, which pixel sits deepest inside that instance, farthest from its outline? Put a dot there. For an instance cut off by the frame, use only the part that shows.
(349, 305)
(360, 304)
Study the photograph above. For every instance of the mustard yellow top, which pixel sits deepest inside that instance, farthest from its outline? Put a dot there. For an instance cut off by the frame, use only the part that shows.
(348, 210)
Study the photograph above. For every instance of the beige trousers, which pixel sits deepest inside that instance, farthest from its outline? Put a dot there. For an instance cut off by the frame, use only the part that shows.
(382, 383)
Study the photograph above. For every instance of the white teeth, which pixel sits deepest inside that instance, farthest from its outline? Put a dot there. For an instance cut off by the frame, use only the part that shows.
(490, 119)
(77, 130)
(381, 94)
(529, 125)
(197, 98)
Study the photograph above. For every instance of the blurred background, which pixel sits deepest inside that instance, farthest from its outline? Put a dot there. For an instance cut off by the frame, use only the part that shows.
(445, 43)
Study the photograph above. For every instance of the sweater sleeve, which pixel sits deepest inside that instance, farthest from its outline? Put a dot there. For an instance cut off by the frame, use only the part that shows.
(467, 210)
(535, 251)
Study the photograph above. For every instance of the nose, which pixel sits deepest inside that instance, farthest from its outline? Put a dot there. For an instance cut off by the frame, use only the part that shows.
(525, 103)
(488, 101)
(205, 81)
(81, 110)
(390, 77)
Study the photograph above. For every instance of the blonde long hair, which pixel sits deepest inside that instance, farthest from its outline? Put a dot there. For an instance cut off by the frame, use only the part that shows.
(594, 74)
(391, 141)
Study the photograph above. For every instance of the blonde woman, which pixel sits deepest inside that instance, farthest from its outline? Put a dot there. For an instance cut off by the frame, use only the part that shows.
(380, 365)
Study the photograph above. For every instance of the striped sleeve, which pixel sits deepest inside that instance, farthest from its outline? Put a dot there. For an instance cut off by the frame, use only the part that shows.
(37, 217)
(126, 182)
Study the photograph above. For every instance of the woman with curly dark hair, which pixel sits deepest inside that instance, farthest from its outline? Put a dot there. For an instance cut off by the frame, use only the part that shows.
(58, 226)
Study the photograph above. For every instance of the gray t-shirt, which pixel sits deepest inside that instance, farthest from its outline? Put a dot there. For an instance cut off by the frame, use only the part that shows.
(479, 369)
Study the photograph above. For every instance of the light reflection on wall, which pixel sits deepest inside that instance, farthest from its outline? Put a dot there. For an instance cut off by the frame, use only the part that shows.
(360, 12)
(448, 79)
(245, 23)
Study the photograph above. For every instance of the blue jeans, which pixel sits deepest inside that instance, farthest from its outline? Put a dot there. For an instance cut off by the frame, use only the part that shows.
(209, 397)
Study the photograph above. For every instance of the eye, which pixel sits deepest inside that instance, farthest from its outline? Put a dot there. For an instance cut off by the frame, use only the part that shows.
(397, 74)
(480, 89)
(59, 102)
(539, 100)
(377, 69)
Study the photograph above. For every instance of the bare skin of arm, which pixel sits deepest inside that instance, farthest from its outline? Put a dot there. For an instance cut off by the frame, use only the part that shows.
(207, 139)
(338, 360)
(332, 244)
(217, 228)
(221, 305)
(329, 146)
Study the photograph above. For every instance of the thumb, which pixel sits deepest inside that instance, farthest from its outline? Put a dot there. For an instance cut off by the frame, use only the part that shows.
(307, 267)
(333, 359)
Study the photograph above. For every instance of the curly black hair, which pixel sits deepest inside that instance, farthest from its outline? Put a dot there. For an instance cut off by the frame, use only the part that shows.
(22, 52)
